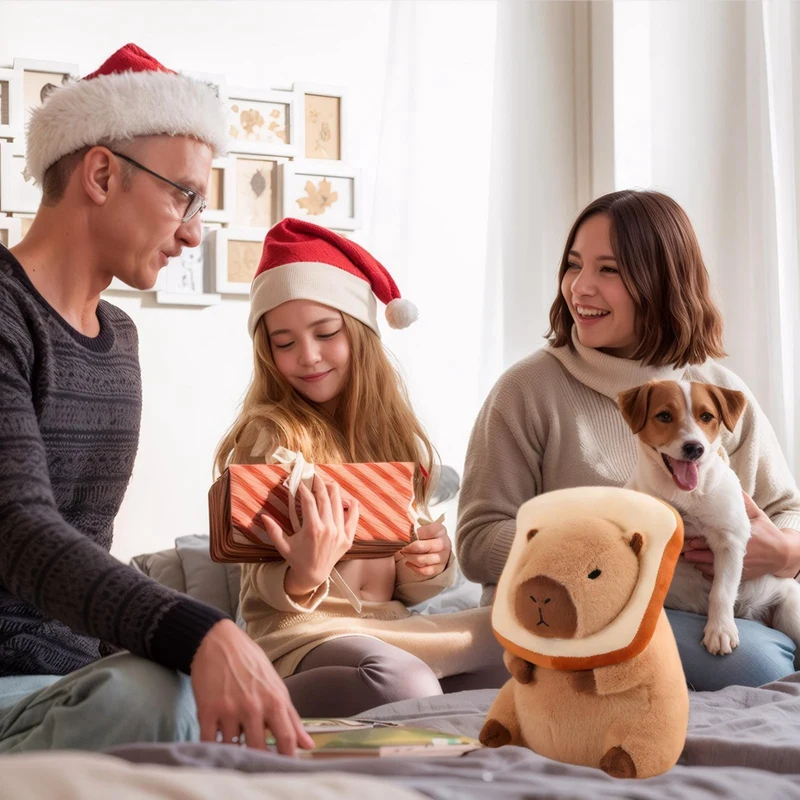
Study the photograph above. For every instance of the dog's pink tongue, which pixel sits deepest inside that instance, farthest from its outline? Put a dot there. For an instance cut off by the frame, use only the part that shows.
(685, 474)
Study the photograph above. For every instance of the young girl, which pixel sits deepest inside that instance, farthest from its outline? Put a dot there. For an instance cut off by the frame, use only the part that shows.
(634, 305)
(324, 387)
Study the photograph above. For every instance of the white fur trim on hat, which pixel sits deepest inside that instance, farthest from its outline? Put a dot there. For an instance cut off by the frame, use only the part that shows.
(121, 106)
(315, 281)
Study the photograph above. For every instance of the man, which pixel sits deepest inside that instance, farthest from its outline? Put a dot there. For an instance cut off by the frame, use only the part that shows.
(123, 157)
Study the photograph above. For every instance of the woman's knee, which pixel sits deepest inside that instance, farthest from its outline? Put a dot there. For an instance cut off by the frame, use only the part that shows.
(763, 654)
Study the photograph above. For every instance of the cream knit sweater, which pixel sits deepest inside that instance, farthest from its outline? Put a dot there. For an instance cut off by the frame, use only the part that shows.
(551, 422)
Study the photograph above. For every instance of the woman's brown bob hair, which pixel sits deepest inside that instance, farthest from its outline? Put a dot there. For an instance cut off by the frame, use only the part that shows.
(660, 263)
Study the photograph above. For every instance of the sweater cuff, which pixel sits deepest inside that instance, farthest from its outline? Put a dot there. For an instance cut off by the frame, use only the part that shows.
(790, 521)
(180, 631)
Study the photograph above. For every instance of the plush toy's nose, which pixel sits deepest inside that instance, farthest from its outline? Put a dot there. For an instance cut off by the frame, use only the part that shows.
(544, 606)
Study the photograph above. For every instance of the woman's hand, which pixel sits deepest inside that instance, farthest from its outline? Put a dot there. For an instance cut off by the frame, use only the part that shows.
(325, 536)
(426, 557)
(768, 548)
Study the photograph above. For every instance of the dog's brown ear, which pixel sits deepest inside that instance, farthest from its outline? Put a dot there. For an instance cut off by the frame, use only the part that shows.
(729, 402)
(633, 405)
(636, 543)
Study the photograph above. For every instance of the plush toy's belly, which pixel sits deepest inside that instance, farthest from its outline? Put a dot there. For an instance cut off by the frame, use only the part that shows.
(565, 725)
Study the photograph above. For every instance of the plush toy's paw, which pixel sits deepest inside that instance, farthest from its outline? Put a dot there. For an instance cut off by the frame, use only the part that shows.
(618, 764)
(583, 681)
(521, 670)
(720, 637)
(494, 734)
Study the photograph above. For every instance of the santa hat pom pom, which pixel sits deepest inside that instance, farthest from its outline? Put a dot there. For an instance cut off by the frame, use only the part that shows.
(400, 313)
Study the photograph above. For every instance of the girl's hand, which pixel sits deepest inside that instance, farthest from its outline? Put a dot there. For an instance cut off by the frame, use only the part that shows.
(767, 548)
(324, 537)
(426, 557)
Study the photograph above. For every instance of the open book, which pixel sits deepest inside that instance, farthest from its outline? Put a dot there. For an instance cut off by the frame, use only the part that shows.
(353, 738)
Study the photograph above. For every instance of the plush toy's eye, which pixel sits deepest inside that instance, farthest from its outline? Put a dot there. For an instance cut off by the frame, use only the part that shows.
(532, 532)
(547, 601)
(595, 573)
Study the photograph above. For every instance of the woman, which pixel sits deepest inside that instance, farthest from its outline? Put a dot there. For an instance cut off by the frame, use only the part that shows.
(634, 305)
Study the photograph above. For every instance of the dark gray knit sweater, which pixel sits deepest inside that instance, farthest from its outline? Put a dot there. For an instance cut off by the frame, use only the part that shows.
(70, 408)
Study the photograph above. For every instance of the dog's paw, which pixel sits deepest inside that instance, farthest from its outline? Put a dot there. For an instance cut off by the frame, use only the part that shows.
(721, 638)
(494, 734)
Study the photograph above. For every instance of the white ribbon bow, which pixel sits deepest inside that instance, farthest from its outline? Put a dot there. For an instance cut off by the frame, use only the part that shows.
(302, 471)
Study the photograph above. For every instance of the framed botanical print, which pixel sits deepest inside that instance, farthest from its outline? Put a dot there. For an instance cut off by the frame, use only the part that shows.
(186, 279)
(10, 104)
(237, 253)
(322, 120)
(16, 195)
(262, 122)
(10, 231)
(38, 79)
(220, 195)
(256, 196)
(324, 193)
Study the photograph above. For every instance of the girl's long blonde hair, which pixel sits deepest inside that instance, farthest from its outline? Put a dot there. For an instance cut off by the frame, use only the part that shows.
(373, 420)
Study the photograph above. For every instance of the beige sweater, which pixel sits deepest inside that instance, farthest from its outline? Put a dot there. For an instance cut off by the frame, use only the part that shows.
(551, 422)
(450, 644)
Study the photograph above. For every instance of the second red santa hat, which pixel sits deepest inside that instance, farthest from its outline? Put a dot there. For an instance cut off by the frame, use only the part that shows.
(303, 261)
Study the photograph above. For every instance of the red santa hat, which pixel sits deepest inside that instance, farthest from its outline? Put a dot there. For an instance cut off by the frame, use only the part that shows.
(302, 261)
(131, 95)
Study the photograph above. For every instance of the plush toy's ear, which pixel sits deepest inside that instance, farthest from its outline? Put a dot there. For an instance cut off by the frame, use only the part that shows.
(636, 543)
(532, 532)
(729, 402)
(633, 405)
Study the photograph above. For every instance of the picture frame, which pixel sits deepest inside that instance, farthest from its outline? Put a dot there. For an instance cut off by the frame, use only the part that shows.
(16, 194)
(186, 279)
(236, 252)
(325, 193)
(221, 187)
(256, 190)
(262, 122)
(10, 124)
(322, 121)
(36, 79)
(10, 231)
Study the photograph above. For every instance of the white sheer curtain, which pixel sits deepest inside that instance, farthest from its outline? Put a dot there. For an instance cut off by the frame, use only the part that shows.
(715, 123)
(698, 99)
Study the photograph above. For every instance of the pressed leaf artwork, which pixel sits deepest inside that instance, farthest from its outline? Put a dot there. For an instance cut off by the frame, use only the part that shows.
(243, 258)
(258, 122)
(318, 198)
(323, 127)
(38, 86)
(255, 193)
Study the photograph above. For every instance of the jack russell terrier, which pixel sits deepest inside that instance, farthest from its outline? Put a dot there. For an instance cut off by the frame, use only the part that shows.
(678, 427)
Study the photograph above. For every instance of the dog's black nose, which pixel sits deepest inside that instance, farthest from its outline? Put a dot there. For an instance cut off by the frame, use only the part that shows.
(692, 451)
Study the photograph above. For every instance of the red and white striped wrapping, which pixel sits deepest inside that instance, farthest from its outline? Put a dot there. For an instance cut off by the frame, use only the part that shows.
(384, 491)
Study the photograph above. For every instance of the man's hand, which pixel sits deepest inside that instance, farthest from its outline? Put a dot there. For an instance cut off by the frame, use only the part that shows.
(237, 690)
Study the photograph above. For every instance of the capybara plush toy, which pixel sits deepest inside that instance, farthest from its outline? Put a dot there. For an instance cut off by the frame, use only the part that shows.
(596, 676)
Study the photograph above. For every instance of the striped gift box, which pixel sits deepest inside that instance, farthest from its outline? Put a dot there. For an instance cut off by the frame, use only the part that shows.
(237, 500)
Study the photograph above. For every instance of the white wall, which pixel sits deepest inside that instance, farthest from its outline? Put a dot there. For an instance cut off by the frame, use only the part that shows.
(197, 362)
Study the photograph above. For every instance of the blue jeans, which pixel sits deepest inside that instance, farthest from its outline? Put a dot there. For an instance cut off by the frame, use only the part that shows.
(117, 700)
(763, 654)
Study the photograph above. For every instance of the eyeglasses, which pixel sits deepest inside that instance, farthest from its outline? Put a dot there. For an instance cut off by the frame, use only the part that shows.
(195, 202)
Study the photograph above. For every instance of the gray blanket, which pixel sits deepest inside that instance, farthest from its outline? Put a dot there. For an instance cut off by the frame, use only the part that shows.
(742, 743)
